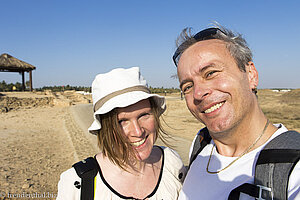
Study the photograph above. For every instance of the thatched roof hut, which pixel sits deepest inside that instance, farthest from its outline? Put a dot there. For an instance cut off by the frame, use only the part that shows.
(9, 63)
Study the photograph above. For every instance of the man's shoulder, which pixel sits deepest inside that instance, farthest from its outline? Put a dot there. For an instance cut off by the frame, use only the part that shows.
(280, 158)
(284, 139)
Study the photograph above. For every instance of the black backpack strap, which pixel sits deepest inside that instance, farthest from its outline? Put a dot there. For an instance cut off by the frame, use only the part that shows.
(247, 188)
(273, 168)
(87, 170)
(257, 191)
(202, 139)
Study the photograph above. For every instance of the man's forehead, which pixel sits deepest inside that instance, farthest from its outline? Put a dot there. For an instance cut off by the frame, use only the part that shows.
(206, 45)
(203, 50)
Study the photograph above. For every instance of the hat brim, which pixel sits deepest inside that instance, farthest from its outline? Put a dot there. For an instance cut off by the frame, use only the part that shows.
(122, 101)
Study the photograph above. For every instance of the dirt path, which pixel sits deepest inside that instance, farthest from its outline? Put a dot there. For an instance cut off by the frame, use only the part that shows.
(34, 149)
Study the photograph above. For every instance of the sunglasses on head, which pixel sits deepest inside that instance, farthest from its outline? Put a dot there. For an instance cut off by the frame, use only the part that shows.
(205, 34)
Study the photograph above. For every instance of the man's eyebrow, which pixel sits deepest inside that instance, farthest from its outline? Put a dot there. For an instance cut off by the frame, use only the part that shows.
(200, 71)
(206, 67)
(184, 82)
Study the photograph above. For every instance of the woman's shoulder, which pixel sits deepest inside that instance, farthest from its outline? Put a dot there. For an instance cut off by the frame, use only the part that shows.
(69, 178)
(173, 163)
(171, 155)
(69, 185)
(69, 174)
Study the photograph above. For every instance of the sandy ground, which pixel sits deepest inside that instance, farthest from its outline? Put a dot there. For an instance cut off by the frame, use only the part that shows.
(34, 149)
(37, 146)
(39, 143)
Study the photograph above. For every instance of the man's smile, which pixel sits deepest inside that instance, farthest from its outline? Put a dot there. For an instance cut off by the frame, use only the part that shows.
(213, 108)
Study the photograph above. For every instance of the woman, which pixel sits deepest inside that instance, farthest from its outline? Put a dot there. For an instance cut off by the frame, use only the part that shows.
(127, 126)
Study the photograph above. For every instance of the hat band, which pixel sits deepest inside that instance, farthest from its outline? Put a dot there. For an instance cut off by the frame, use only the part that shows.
(102, 101)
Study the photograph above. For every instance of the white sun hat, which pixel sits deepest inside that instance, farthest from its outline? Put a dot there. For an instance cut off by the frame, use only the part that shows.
(117, 89)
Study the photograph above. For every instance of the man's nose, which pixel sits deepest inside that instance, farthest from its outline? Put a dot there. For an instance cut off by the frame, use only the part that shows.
(201, 91)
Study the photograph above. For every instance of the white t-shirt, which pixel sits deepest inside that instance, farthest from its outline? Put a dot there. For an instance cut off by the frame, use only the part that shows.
(199, 184)
(172, 175)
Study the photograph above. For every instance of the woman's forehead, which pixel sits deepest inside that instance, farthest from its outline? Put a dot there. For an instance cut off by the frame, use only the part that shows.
(139, 106)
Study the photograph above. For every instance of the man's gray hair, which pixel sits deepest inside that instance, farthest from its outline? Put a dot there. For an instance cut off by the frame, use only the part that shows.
(235, 43)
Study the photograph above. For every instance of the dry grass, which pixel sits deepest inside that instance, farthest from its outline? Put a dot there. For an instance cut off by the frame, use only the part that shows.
(281, 107)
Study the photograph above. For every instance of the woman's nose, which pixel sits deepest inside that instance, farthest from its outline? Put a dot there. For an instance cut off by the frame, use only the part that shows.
(136, 129)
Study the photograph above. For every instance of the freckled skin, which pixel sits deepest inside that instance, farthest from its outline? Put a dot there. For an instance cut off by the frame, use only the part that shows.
(208, 75)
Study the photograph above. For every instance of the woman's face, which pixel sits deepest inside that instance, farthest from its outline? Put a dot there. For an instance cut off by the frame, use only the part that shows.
(137, 122)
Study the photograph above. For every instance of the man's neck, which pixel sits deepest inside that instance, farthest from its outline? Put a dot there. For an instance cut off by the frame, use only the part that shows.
(248, 132)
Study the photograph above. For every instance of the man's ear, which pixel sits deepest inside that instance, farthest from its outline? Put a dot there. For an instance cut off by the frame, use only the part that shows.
(252, 75)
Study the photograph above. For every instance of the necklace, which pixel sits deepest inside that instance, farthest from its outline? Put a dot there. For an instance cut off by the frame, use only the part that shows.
(246, 151)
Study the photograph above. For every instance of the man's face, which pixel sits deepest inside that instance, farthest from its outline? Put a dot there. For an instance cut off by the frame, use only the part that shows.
(217, 93)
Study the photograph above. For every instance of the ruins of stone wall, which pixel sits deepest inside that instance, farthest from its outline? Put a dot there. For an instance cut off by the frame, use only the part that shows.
(14, 103)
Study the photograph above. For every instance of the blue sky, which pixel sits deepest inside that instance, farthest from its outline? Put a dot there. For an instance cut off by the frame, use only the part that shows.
(70, 42)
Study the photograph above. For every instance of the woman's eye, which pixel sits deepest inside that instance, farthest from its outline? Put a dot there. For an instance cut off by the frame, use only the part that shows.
(122, 122)
(144, 115)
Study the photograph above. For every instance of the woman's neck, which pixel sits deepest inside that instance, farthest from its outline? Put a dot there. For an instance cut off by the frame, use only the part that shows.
(140, 166)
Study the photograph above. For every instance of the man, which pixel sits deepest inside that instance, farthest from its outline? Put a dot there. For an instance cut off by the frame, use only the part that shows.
(219, 81)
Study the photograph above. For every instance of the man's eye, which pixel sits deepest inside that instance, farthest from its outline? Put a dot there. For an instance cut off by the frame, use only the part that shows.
(210, 74)
(186, 89)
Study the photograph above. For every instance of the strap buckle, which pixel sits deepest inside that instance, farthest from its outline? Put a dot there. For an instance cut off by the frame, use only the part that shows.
(261, 189)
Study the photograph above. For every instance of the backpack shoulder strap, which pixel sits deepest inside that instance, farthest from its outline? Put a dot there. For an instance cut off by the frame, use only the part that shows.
(273, 168)
(87, 170)
(202, 139)
(276, 162)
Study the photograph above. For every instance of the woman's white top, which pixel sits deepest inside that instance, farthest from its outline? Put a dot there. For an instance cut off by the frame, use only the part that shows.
(168, 186)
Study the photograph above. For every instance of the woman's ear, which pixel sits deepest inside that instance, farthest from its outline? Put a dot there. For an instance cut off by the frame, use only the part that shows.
(252, 75)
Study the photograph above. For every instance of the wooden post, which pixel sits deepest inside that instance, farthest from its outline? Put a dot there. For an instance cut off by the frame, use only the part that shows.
(30, 80)
(23, 81)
